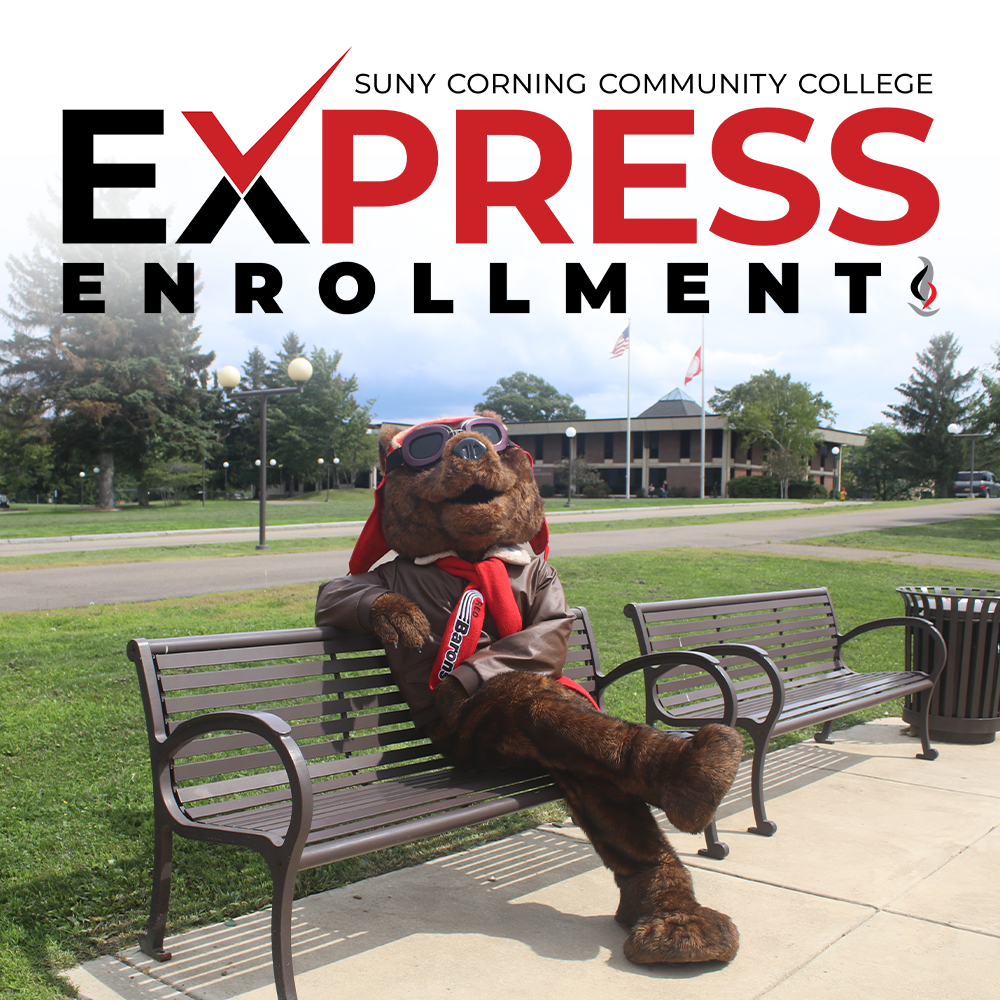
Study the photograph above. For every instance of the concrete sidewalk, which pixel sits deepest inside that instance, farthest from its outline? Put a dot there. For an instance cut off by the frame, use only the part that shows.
(883, 881)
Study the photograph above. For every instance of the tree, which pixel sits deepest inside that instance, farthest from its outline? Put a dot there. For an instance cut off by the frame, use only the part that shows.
(124, 386)
(521, 397)
(880, 467)
(934, 396)
(780, 414)
(25, 450)
(324, 421)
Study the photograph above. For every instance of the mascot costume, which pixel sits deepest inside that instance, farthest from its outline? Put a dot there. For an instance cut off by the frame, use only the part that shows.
(476, 628)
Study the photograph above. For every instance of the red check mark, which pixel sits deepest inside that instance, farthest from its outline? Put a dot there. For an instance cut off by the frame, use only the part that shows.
(242, 168)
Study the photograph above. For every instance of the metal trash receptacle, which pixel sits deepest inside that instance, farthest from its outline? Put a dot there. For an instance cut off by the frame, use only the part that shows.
(965, 704)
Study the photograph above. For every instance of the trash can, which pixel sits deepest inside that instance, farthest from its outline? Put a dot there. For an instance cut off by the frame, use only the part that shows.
(965, 705)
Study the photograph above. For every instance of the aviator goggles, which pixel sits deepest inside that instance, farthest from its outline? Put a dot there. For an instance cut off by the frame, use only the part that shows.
(425, 445)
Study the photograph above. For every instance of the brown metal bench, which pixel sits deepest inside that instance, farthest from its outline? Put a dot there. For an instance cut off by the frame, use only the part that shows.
(298, 745)
(783, 653)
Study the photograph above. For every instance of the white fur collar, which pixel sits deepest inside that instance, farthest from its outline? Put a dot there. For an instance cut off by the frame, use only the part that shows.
(512, 554)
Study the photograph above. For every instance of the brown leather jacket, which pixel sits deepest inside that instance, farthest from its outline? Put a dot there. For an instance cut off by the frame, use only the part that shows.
(539, 647)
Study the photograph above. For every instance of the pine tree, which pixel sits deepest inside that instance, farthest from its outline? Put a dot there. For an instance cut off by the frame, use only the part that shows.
(126, 388)
(934, 396)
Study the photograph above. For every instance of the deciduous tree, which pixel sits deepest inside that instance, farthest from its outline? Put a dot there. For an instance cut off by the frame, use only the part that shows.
(780, 414)
(522, 397)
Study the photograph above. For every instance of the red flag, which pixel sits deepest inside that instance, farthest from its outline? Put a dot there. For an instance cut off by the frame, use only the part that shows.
(694, 369)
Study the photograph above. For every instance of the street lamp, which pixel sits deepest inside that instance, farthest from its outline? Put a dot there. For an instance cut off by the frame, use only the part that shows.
(299, 371)
(836, 451)
(956, 430)
(570, 434)
(83, 476)
(225, 488)
(336, 477)
(321, 462)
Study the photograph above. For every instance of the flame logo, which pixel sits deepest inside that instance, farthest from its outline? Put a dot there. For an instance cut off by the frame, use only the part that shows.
(923, 289)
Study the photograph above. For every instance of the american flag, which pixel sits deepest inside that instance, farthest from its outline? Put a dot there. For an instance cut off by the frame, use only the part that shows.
(621, 344)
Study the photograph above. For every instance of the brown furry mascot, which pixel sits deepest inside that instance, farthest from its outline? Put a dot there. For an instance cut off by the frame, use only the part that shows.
(476, 628)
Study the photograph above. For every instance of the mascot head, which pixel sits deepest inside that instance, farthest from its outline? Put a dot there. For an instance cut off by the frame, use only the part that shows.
(453, 484)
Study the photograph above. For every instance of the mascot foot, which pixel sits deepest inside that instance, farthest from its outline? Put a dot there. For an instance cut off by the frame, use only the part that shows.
(700, 778)
(702, 935)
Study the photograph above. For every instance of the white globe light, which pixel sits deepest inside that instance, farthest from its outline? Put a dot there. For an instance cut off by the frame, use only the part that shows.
(273, 461)
(954, 428)
(229, 376)
(571, 432)
(299, 370)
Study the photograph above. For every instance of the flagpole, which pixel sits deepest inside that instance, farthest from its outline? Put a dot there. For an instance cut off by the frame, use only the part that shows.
(628, 417)
(703, 406)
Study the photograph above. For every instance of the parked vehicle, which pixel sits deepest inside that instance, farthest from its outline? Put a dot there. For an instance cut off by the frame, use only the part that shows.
(983, 484)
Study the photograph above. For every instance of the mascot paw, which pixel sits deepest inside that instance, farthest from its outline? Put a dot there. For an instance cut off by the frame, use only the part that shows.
(702, 935)
(449, 699)
(397, 620)
(702, 775)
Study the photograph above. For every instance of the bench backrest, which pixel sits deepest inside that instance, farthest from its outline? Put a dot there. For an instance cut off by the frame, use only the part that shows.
(795, 628)
(332, 686)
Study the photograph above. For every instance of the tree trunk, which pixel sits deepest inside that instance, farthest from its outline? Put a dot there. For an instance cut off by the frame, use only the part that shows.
(143, 495)
(106, 481)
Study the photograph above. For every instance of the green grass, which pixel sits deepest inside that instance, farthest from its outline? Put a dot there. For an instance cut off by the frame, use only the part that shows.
(75, 807)
(59, 520)
(972, 536)
(159, 553)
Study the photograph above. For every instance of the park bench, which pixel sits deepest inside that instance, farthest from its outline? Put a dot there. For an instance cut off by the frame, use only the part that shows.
(783, 653)
(297, 744)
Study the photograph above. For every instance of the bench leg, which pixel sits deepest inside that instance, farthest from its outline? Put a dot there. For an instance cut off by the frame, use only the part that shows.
(923, 729)
(714, 848)
(282, 896)
(151, 943)
(823, 736)
(764, 827)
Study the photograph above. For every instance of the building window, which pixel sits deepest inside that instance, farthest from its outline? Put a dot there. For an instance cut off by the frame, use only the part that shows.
(539, 447)
(565, 447)
(749, 454)
(609, 446)
(654, 444)
(685, 444)
(717, 443)
(580, 449)
(637, 445)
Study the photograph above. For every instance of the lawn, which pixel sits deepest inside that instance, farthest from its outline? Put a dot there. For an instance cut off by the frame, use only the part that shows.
(62, 520)
(972, 536)
(75, 807)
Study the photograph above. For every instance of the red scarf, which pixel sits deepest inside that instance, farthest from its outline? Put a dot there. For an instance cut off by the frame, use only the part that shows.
(489, 588)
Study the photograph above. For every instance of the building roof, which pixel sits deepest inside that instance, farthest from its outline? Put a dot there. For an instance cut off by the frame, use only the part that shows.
(676, 403)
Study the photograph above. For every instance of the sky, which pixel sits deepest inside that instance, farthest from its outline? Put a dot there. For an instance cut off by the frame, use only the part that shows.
(249, 62)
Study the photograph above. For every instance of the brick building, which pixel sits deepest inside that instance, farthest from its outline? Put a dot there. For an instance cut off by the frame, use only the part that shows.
(666, 448)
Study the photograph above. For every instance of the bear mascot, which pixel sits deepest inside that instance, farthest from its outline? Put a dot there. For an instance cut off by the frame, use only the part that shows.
(476, 629)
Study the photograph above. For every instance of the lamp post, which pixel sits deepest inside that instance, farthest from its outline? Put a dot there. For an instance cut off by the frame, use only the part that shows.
(570, 434)
(83, 476)
(299, 371)
(336, 477)
(321, 462)
(956, 430)
(225, 488)
(840, 457)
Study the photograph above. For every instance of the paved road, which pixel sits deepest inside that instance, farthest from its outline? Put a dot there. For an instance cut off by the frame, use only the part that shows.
(31, 590)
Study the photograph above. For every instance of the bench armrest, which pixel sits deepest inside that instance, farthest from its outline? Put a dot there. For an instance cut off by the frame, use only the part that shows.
(269, 727)
(749, 652)
(940, 649)
(656, 666)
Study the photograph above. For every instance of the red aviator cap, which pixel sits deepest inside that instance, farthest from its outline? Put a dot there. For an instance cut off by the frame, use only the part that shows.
(371, 544)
